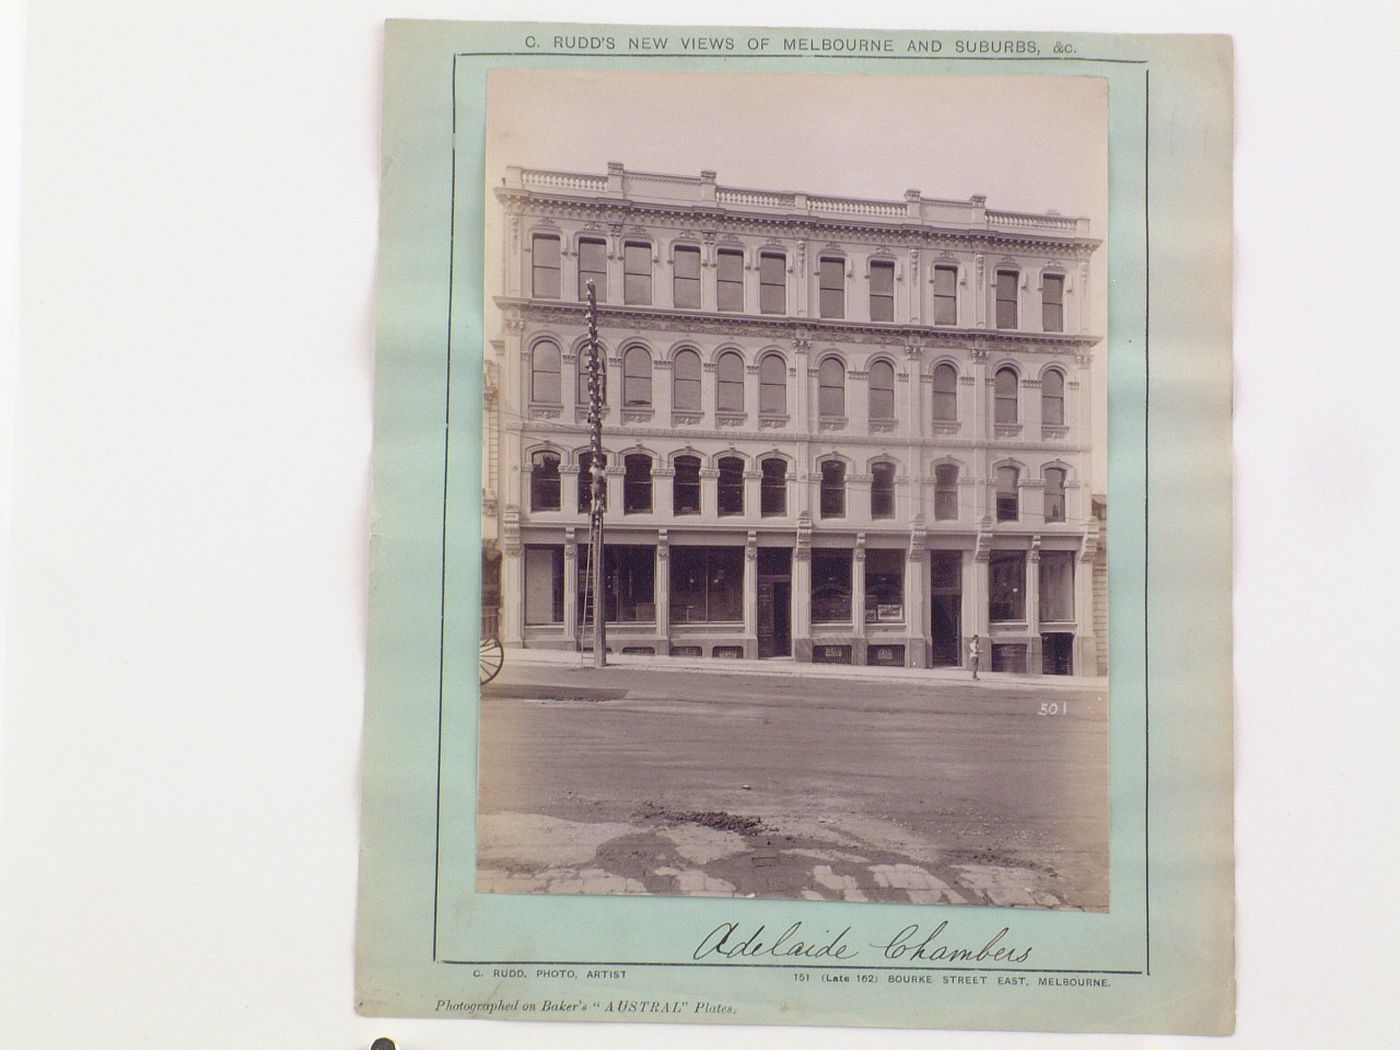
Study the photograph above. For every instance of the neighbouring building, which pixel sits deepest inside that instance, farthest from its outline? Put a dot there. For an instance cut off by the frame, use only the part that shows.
(838, 430)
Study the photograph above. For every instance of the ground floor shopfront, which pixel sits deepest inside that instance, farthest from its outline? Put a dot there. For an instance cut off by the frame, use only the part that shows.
(867, 598)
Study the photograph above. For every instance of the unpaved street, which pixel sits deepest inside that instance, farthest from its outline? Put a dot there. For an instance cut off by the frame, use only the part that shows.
(731, 784)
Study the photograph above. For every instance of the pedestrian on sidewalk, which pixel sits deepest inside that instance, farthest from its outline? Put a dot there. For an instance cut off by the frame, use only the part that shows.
(974, 655)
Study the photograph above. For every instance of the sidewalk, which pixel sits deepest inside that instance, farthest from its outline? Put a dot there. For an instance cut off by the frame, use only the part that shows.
(789, 668)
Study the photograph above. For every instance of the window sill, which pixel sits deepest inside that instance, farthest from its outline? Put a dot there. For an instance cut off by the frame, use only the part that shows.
(730, 419)
(946, 426)
(1048, 431)
(637, 415)
(771, 422)
(883, 426)
(832, 422)
(543, 411)
(1008, 430)
(686, 418)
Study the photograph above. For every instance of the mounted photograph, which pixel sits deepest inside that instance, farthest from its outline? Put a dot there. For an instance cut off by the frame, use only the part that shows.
(794, 475)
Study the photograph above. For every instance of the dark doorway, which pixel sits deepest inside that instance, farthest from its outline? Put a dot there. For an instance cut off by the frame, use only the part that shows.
(945, 585)
(1057, 649)
(774, 602)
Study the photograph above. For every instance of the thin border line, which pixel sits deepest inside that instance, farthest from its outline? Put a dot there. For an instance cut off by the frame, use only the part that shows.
(442, 623)
(777, 966)
(1146, 510)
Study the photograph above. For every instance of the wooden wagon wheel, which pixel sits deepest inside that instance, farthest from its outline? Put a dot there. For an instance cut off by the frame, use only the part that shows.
(493, 656)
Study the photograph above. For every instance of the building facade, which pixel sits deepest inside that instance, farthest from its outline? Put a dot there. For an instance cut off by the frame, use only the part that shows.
(837, 430)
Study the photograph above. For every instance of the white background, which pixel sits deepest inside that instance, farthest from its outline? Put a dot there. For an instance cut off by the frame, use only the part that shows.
(184, 430)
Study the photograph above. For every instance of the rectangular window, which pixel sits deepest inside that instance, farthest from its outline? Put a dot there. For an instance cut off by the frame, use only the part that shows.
(1008, 586)
(707, 584)
(832, 282)
(884, 586)
(592, 266)
(729, 286)
(882, 291)
(772, 283)
(629, 584)
(1006, 298)
(1057, 586)
(831, 586)
(945, 295)
(687, 279)
(773, 488)
(1053, 303)
(636, 274)
(544, 255)
(544, 585)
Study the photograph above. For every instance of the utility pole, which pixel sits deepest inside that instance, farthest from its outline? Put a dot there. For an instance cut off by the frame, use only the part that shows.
(596, 384)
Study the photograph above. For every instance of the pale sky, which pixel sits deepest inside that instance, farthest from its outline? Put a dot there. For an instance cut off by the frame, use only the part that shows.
(1028, 143)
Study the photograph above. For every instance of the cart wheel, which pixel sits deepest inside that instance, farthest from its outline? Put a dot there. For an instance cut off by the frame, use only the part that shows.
(492, 658)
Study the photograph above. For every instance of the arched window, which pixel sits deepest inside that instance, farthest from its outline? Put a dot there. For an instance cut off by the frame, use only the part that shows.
(1007, 382)
(833, 492)
(729, 377)
(945, 492)
(585, 481)
(685, 381)
(831, 388)
(544, 374)
(636, 378)
(772, 386)
(881, 390)
(773, 488)
(1054, 494)
(1052, 398)
(1008, 494)
(945, 393)
(685, 489)
(882, 490)
(544, 481)
(731, 486)
(636, 484)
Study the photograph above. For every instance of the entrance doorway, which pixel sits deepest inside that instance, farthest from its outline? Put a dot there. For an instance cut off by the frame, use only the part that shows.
(1057, 653)
(774, 602)
(945, 585)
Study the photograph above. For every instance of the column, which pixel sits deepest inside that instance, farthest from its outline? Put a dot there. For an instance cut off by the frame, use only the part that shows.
(858, 601)
(512, 624)
(751, 596)
(1086, 641)
(662, 489)
(753, 495)
(802, 599)
(976, 597)
(571, 587)
(980, 431)
(614, 473)
(1033, 645)
(916, 602)
(662, 591)
(709, 494)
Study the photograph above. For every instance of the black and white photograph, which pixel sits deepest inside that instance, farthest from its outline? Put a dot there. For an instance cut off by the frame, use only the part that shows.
(794, 477)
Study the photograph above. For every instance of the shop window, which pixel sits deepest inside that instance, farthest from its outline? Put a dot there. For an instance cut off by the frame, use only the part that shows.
(636, 484)
(885, 655)
(730, 488)
(881, 390)
(707, 584)
(629, 584)
(831, 586)
(544, 481)
(1007, 280)
(685, 487)
(772, 283)
(636, 273)
(833, 489)
(945, 492)
(545, 388)
(727, 652)
(729, 382)
(882, 291)
(882, 490)
(773, 488)
(832, 288)
(544, 585)
(592, 266)
(544, 258)
(945, 394)
(729, 279)
(1056, 586)
(831, 654)
(685, 381)
(1054, 494)
(585, 481)
(831, 388)
(884, 586)
(945, 295)
(636, 378)
(1052, 299)
(1009, 658)
(1007, 571)
(1052, 398)
(772, 386)
(1007, 390)
(686, 287)
(1008, 494)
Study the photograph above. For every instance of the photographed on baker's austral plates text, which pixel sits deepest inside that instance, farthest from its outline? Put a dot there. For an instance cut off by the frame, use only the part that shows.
(759, 421)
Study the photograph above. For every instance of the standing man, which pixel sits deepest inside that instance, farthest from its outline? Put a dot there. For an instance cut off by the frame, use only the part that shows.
(974, 655)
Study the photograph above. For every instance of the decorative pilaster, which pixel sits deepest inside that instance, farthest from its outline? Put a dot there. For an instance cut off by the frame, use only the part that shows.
(751, 595)
(802, 590)
(571, 585)
(858, 586)
(662, 592)
(512, 624)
